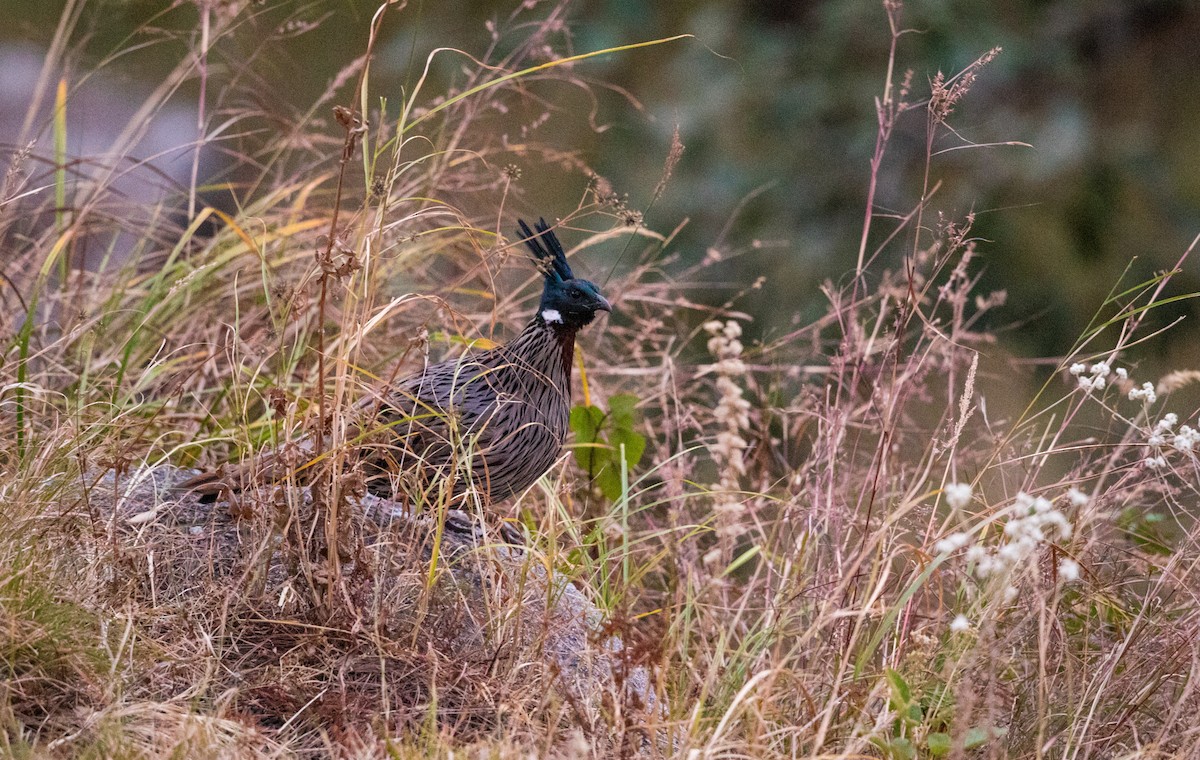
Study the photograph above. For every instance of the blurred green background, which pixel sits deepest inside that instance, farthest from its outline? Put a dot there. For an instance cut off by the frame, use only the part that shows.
(774, 102)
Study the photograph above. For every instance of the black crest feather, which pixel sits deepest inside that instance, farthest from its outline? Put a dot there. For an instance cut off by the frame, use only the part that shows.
(548, 253)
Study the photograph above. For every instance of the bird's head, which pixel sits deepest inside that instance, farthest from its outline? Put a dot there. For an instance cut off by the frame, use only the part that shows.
(566, 301)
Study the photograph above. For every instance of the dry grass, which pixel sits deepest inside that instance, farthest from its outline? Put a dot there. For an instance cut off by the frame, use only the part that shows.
(832, 546)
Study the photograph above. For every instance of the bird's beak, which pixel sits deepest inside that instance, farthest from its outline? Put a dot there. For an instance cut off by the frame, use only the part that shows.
(602, 304)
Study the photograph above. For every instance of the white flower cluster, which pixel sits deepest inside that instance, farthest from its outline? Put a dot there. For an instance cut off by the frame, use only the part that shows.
(732, 411)
(1032, 522)
(1068, 569)
(958, 495)
(1164, 437)
(725, 346)
(1096, 378)
(1093, 378)
(732, 414)
(1145, 393)
(1078, 498)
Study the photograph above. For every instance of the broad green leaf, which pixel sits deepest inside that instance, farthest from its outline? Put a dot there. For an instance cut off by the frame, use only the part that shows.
(975, 737)
(621, 410)
(609, 481)
(593, 458)
(585, 421)
(902, 748)
(592, 455)
(938, 744)
(901, 693)
(635, 445)
(601, 436)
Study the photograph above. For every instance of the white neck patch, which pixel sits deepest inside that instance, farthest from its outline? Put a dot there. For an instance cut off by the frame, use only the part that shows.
(551, 316)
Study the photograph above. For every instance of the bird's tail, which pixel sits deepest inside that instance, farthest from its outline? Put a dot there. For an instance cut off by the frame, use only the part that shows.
(297, 460)
(228, 480)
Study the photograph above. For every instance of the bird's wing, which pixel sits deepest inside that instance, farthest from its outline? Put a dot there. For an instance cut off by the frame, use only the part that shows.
(426, 420)
(448, 405)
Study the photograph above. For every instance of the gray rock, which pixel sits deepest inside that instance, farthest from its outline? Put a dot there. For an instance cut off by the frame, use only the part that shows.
(477, 594)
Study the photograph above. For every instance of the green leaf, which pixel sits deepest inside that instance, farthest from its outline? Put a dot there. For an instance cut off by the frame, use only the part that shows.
(621, 410)
(901, 693)
(635, 446)
(609, 480)
(591, 454)
(902, 748)
(593, 458)
(975, 737)
(938, 744)
(601, 436)
(586, 422)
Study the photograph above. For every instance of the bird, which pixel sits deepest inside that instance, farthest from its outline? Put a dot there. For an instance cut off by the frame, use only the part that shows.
(489, 422)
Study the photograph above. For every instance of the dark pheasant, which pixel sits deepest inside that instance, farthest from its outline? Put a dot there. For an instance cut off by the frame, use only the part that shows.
(494, 420)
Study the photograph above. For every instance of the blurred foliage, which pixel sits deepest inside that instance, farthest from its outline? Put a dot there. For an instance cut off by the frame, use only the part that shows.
(1107, 94)
(774, 102)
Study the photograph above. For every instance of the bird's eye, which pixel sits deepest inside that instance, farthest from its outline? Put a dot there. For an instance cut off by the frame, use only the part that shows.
(576, 293)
